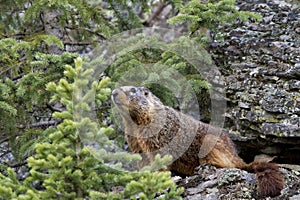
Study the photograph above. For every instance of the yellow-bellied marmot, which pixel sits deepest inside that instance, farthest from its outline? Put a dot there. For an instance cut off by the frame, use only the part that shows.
(151, 127)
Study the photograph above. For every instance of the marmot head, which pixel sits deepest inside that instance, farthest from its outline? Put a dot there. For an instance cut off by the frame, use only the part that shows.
(136, 103)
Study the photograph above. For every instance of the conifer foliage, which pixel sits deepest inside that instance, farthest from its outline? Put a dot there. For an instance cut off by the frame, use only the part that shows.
(208, 15)
(63, 168)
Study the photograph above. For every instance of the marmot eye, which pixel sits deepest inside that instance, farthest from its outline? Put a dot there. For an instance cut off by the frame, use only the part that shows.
(146, 91)
(132, 90)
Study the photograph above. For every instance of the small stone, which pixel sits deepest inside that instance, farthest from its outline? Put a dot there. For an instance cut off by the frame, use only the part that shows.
(268, 19)
(295, 197)
(285, 37)
(176, 179)
(243, 105)
(294, 84)
(272, 63)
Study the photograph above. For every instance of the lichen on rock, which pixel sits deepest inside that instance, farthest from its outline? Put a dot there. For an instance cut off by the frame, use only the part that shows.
(261, 65)
(214, 183)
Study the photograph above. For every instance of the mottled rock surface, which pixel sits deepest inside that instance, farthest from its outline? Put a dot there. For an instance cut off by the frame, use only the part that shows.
(211, 183)
(261, 65)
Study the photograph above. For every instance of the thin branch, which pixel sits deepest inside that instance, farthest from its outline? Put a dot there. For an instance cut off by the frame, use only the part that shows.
(41, 124)
(5, 70)
(97, 108)
(47, 124)
(4, 140)
(96, 33)
(78, 43)
(53, 108)
(160, 8)
(17, 78)
(17, 164)
(88, 30)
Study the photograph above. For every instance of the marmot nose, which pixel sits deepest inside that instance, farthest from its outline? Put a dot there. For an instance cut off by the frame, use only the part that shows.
(114, 93)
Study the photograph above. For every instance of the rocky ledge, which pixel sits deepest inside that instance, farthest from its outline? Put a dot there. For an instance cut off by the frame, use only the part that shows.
(261, 64)
(211, 183)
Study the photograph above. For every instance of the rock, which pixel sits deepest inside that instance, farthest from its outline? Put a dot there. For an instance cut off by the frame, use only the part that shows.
(262, 77)
(219, 183)
(295, 197)
(243, 105)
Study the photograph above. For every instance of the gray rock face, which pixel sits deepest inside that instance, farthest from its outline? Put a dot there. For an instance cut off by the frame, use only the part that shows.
(261, 63)
(228, 184)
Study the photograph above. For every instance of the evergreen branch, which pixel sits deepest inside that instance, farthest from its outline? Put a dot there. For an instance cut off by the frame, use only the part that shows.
(5, 70)
(23, 35)
(43, 124)
(102, 107)
(17, 35)
(77, 43)
(96, 33)
(17, 78)
(16, 165)
(53, 108)
(88, 30)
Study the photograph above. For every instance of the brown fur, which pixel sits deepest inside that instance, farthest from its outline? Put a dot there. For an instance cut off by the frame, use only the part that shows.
(151, 127)
(270, 181)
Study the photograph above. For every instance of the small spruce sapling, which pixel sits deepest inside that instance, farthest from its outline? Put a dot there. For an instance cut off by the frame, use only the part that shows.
(63, 168)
